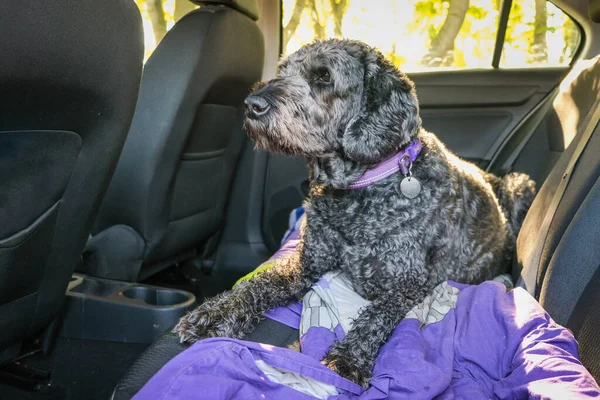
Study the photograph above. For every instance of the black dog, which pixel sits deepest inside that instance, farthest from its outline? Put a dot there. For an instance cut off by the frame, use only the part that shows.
(345, 108)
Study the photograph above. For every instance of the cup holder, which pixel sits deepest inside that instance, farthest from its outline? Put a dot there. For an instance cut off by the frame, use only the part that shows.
(95, 287)
(124, 312)
(155, 297)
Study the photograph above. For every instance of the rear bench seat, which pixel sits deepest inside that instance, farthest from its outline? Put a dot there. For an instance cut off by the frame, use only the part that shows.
(569, 278)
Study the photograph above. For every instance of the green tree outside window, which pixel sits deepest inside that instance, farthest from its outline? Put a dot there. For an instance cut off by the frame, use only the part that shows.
(421, 35)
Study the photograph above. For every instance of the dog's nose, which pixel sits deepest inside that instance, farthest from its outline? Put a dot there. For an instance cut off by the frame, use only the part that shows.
(257, 106)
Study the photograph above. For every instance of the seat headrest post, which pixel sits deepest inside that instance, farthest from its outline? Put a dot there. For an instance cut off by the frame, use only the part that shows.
(246, 7)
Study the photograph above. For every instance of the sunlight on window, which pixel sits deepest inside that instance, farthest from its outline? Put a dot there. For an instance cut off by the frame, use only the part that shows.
(538, 34)
(432, 34)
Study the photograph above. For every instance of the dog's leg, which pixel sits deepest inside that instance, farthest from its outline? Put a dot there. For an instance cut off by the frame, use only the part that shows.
(235, 313)
(353, 357)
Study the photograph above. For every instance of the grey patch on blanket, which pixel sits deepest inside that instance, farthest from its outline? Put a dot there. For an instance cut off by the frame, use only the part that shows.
(345, 108)
(436, 305)
(319, 308)
(308, 386)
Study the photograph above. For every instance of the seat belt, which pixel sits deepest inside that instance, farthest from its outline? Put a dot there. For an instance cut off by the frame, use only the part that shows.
(532, 274)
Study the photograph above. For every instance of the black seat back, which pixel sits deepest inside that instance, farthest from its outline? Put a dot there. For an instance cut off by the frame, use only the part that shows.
(172, 181)
(570, 254)
(69, 78)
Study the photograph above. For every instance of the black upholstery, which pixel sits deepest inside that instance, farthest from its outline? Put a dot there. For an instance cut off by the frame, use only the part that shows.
(573, 108)
(170, 187)
(69, 79)
(571, 255)
(151, 361)
(570, 278)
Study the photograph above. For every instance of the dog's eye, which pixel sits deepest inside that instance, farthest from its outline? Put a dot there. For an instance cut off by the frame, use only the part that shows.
(323, 75)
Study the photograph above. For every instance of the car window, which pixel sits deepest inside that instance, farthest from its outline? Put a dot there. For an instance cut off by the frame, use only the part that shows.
(538, 34)
(158, 17)
(437, 34)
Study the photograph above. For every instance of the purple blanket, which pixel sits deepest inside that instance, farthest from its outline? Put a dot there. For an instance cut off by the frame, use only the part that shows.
(462, 342)
(493, 344)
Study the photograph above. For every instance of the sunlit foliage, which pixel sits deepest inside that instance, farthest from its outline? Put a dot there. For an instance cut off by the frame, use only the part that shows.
(424, 34)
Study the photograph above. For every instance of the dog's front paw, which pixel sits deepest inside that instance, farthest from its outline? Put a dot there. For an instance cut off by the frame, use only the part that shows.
(348, 368)
(200, 324)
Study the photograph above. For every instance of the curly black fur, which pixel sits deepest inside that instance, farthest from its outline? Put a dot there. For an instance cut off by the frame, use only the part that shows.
(462, 226)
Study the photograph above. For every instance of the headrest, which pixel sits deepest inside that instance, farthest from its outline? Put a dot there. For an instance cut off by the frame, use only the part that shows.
(594, 10)
(247, 7)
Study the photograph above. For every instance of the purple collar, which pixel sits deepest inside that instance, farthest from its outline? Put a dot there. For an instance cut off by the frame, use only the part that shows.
(401, 161)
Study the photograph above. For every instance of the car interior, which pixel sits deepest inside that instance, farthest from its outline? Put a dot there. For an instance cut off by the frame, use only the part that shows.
(129, 191)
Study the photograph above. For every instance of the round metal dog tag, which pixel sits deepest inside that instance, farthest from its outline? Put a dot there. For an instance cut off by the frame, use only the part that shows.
(410, 187)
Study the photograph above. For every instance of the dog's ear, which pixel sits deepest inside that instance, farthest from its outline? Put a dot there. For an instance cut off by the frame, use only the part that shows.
(389, 114)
